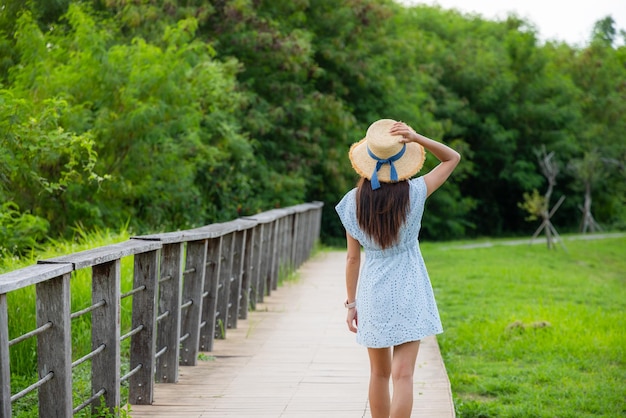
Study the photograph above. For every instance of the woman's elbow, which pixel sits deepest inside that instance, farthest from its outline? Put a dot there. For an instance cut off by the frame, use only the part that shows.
(456, 157)
(353, 259)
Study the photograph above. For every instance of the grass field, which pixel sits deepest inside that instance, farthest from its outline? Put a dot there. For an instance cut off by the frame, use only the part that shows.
(532, 332)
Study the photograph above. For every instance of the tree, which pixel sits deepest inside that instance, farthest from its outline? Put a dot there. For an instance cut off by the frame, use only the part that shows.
(541, 207)
(589, 171)
(599, 73)
(156, 116)
(604, 31)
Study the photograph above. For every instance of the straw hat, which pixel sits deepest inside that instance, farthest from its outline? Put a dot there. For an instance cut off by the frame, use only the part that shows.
(380, 157)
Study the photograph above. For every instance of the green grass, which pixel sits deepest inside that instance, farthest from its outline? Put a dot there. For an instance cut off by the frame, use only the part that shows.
(532, 332)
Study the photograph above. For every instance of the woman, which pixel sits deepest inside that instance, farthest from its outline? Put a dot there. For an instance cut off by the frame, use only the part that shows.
(394, 305)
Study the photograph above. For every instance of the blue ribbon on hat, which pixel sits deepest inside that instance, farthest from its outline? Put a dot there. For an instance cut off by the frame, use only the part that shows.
(380, 162)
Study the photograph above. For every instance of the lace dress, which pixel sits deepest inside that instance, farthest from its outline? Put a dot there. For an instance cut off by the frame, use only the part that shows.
(395, 300)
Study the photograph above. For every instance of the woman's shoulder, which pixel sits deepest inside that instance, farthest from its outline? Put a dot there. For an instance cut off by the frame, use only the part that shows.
(346, 200)
(418, 184)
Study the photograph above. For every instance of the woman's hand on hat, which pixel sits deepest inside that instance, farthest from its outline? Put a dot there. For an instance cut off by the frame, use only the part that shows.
(405, 131)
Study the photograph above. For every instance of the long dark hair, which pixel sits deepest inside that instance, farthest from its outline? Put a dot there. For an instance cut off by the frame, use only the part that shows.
(381, 212)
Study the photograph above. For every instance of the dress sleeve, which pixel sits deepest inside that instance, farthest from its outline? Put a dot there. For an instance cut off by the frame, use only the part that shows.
(420, 186)
(346, 209)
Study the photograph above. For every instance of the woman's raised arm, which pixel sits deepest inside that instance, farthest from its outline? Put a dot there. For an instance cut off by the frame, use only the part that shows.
(449, 158)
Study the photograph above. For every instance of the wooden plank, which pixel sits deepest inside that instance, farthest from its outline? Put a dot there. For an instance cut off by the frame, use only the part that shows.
(104, 254)
(317, 219)
(246, 274)
(299, 240)
(302, 207)
(223, 290)
(235, 290)
(269, 256)
(105, 330)
(245, 223)
(53, 306)
(267, 216)
(143, 344)
(219, 229)
(260, 262)
(169, 301)
(193, 284)
(197, 234)
(30, 275)
(279, 249)
(291, 242)
(5, 365)
(211, 284)
(275, 254)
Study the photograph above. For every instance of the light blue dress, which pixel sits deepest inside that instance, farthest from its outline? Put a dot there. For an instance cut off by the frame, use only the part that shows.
(395, 301)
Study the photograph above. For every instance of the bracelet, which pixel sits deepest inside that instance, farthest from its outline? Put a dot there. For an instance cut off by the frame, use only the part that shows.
(349, 305)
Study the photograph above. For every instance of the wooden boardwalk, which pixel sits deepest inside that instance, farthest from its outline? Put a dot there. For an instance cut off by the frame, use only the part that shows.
(294, 358)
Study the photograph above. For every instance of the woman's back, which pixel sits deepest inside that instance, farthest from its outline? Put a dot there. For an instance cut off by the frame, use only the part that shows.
(409, 231)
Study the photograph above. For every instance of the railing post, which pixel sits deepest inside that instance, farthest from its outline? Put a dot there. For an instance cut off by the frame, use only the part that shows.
(289, 239)
(275, 248)
(306, 232)
(311, 216)
(253, 248)
(105, 330)
(223, 290)
(269, 248)
(278, 251)
(53, 306)
(268, 257)
(5, 361)
(143, 344)
(283, 237)
(317, 214)
(261, 262)
(211, 283)
(296, 239)
(247, 279)
(193, 284)
(236, 289)
(168, 334)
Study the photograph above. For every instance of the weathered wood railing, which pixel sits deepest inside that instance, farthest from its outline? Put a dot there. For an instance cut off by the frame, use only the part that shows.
(189, 287)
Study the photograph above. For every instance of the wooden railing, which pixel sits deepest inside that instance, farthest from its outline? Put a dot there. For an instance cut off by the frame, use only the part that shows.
(189, 287)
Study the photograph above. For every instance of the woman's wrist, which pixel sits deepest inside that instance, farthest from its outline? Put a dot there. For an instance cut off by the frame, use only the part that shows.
(350, 305)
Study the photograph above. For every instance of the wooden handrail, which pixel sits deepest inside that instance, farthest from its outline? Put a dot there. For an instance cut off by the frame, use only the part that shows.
(227, 267)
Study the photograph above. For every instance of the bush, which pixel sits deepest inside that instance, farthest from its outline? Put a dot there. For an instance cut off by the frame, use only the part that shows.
(20, 232)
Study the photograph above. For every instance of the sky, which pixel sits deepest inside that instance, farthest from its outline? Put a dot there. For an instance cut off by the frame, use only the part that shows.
(570, 21)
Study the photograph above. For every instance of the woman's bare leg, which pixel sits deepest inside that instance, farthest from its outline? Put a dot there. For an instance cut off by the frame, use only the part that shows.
(402, 368)
(380, 371)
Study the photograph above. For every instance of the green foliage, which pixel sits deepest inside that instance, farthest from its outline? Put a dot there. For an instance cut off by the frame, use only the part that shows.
(103, 412)
(498, 94)
(205, 357)
(535, 204)
(157, 128)
(39, 159)
(169, 114)
(19, 232)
